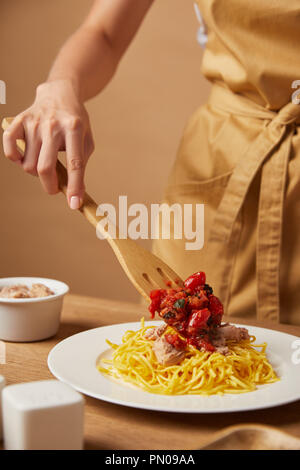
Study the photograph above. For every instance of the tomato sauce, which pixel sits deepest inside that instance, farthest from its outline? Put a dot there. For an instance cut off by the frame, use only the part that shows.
(192, 310)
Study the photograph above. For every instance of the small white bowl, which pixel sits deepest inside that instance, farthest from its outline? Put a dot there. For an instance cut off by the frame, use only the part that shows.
(32, 319)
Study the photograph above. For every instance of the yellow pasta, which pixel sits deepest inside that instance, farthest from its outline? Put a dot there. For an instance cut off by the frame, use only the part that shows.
(199, 373)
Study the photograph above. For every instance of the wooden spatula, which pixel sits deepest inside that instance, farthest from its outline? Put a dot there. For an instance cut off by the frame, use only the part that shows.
(145, 270)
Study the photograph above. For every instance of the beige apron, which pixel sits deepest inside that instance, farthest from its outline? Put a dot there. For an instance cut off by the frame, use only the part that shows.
(240, 156)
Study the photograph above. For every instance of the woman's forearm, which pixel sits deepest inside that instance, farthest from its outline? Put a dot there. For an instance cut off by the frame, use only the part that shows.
(87, 60)
(91, 55)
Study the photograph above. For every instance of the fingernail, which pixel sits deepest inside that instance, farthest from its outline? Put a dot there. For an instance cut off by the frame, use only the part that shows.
(74, 202)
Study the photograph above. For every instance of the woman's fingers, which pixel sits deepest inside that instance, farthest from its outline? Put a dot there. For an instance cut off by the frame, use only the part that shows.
(10, 136)
(33, 147)
(89, 145)
(46, 167)
(76, 161)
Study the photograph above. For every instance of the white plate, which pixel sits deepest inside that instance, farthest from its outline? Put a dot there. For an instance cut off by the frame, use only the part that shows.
(74, 362)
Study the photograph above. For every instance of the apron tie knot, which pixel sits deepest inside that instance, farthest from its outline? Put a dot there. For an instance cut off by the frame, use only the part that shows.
(289, 114)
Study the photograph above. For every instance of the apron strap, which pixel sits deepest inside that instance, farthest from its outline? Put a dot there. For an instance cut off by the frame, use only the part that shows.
(269, 232)
(270, 153)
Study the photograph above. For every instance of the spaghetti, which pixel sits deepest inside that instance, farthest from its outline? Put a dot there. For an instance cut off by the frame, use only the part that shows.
(200, 372)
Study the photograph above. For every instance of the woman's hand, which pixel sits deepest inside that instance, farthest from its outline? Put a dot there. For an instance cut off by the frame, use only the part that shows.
(57, 120)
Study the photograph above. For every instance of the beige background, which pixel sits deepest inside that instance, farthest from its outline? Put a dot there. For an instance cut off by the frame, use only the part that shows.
(137, 123)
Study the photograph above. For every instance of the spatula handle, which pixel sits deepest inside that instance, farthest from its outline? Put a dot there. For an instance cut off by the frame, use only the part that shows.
(88, 207)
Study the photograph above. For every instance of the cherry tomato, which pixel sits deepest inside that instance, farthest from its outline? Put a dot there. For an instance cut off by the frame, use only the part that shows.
(201, 343)
(155, 296)
(216, 308)
(193, 311)
(176, 341)
(199, 301)
(198, 321)
(195, 280)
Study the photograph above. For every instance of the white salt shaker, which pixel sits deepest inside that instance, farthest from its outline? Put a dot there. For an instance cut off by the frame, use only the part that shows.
(2, 385)
(44, 415)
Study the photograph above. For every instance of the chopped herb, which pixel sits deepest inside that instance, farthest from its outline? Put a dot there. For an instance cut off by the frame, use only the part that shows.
(168, 315)
(208, 289)
(180, 303)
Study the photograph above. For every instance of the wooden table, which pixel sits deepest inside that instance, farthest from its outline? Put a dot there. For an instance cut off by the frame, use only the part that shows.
(109, 426)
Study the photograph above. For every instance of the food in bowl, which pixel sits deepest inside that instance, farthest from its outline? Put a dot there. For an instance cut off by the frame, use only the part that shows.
(20, 291)
(30, 308)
